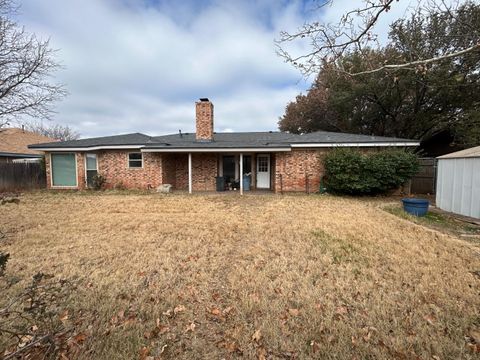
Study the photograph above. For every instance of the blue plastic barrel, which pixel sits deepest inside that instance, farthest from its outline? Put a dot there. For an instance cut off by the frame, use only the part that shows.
(417, 207)
(246, 183)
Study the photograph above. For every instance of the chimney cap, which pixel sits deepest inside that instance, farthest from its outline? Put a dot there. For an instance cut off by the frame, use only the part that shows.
(204, 99)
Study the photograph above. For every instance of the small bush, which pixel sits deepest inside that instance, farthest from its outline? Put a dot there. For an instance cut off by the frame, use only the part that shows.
(98, 181)
(351, 172)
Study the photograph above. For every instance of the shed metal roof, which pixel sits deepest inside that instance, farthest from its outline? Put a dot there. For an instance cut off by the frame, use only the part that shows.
(467, 153)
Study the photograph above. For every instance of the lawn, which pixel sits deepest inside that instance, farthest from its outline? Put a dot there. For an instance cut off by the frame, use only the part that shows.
(267, 277)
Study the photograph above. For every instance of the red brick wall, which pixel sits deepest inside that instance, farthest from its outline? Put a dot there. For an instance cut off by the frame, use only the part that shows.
(181, 171)
(169, 169)
(204, 171)
(113, 165)
(204, 120)
(81, 178)
(299, 170)
(48, 171)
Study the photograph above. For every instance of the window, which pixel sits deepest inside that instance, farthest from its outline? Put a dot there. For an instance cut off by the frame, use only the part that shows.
(91, 168)
(262, 164)
(135, 160)
(64, 170)
(247, 164)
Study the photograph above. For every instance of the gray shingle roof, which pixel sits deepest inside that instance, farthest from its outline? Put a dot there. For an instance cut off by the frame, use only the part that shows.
(223, 140)
(336, 137)
(126, 139)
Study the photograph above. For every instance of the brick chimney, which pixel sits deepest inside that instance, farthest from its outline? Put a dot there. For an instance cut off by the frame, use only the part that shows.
(204, 119)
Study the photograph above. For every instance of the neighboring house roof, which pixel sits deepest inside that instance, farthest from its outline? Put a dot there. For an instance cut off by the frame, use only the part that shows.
(241, 140)
(467, 153)
(16, 155)
(15, 142)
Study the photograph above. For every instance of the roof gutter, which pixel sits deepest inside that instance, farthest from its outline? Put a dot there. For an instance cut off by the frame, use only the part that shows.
(373, 144)
(89, 148)
(215, 150)
(22, 155)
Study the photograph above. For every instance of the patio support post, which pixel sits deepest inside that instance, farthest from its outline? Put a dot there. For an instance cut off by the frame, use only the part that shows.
(241, 173)
(189, 173)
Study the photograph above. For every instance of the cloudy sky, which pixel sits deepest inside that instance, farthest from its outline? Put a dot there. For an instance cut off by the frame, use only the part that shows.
(139, 66)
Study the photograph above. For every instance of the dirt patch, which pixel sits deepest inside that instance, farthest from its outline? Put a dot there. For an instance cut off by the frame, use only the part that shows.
(178, 276)
(442, 221)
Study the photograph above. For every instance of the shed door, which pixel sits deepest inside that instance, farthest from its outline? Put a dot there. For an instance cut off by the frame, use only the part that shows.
(263, 171)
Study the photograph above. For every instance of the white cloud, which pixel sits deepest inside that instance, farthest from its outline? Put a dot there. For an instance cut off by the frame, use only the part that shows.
(134, 67)
(137, 68)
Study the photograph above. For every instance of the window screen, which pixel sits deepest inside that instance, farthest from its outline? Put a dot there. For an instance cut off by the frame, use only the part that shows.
(63, 170)
(135, 160)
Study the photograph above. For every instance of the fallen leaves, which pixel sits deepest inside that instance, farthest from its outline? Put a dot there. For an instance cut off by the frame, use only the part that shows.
(121, 319)
(80, 338)
(178, 309)
(341, 310)
(231, 346)
(261, 353)
(430, 319)
(315, 346)
(159, 329)
(294, 312)
(257, 335)
(475, 335)
(190, 327)
(144, 353)
(216, 312)
(63, 316)
(473, 341)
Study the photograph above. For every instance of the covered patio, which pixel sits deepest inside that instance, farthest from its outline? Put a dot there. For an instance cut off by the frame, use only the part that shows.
(222, 170)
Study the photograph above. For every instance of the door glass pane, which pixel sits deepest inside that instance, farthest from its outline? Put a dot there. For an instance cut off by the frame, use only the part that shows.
(63, 170)
(262, 164)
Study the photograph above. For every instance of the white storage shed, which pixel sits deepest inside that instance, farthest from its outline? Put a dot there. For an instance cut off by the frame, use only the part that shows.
(458, 182)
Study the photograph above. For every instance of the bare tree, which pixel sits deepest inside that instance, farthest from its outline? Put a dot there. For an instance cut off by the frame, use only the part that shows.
(55, 131)
(355, 32)
(26, 66)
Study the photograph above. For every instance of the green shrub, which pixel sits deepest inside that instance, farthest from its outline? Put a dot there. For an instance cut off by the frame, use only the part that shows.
(351, 172)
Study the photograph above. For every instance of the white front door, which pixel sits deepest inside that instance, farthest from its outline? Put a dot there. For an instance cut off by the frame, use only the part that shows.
(263, 171)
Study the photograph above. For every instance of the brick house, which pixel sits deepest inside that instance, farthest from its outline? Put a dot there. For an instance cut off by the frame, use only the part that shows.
(203, 161)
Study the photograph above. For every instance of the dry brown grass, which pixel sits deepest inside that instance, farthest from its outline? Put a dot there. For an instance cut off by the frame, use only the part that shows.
(258, 276)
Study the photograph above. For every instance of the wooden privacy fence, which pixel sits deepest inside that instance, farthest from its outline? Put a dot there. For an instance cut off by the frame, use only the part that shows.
(22, 176)
(424, 181)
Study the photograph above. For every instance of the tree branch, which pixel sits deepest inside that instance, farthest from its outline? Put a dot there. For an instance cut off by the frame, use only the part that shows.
(417, 62)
